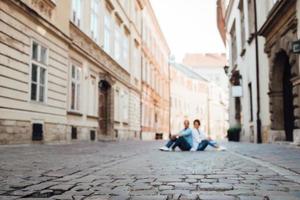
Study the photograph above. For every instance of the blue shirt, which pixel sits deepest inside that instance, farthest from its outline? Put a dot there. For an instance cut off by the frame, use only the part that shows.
(187, 134)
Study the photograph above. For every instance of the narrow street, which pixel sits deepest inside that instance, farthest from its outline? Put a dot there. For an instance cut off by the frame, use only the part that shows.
(138, 170)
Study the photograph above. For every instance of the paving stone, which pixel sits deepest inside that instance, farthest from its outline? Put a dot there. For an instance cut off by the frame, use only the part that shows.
(250, 198)
(216, 197)
(98, 197)
(183, 186)
(63, 187)
(166, 187)
(147, 197)
(215, 187)
(120, 190)
(143, 192)
(174, 192)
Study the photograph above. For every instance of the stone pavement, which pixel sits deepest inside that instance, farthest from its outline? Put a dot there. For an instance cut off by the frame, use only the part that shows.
(138, 171)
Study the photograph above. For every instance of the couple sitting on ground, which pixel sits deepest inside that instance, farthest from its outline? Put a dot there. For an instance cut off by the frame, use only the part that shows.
(190, 139)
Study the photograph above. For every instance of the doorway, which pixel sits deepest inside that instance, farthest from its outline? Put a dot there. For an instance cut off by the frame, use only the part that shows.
(282, 95)
(103, 110)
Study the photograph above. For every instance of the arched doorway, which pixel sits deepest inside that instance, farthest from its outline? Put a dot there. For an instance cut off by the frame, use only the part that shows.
(104, 107)
(281, 95)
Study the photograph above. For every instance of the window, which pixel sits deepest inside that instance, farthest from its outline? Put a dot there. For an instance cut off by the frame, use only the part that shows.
(126, 52)
(37, 132)
(39, 60)
(125, 106)
(251, 101)
(95, 20)
(121, 106)
(107, 33)
(92, 107)
(145, 70)
(116, 105)
(251, 17)
(242, 21)
(75, 88)
(233, 45)
(118, 42)
(76, 12)
(136, 62)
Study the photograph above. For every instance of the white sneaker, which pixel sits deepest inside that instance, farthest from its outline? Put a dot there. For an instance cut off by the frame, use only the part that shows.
(164, 148)
(221, 148)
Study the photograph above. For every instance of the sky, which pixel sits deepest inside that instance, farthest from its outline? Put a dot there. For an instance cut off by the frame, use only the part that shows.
(189, 26)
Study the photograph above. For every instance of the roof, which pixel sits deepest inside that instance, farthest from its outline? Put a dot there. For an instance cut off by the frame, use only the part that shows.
(205, 60)
(189, 72)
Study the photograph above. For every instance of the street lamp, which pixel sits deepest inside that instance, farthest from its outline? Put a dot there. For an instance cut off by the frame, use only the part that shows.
(226, 69)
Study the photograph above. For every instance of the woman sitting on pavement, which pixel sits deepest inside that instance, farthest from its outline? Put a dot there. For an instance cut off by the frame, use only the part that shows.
(200, 139)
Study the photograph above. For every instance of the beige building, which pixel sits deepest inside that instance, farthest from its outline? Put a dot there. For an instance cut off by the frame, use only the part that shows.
(211, 66)
(189, 97)
(259, 36)
(71, 70)
(155, 78)
(194, 96)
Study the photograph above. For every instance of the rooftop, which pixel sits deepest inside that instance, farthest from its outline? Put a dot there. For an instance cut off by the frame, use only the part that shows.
(205, 60)
(189, 72)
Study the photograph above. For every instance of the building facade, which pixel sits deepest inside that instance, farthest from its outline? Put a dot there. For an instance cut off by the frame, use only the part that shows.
(189, 97)
(211, 66)
(70, 70)
(195, 96)
(259, 36)
(155, 79)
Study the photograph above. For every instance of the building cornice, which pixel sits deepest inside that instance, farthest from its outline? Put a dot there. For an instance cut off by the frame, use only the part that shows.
(86, 46)
(278, 10)
(39, 19)
(281, 19)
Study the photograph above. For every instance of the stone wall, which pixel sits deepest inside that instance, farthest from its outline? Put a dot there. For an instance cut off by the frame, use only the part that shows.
(15, 132)
(20, 132)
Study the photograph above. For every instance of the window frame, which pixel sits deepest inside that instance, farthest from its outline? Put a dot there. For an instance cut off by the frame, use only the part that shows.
(117, 105)
(95, 34)
(92, 77)
(77, 7)
(107, 33)
(118, 44)
(125, 51)
(79, 81)
(242, 21)
(39, 65)
(125, 106)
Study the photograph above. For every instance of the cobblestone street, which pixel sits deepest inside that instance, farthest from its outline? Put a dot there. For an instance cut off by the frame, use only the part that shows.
(137, 170)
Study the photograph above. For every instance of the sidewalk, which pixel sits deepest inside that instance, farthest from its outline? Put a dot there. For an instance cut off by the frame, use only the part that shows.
(283, 155)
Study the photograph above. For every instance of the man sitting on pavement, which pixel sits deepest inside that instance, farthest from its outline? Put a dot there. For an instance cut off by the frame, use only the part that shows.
(183, 140)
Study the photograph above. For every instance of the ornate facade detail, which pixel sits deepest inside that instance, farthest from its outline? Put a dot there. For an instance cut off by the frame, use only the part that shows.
(280, 30)
(44, 7)
(85, 43)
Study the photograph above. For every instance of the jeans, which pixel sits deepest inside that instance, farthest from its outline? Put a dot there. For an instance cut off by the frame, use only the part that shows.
(212, 143)
(202, 145)
(179, 142)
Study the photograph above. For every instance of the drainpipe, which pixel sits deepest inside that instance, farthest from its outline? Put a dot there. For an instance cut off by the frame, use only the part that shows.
(142, 73)
(258, 121)
(170, 98)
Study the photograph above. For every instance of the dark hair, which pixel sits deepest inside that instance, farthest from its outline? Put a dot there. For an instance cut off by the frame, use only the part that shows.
(197, 121)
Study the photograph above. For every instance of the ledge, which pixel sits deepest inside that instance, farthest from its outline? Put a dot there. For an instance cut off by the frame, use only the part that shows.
(92, 116)
(74, 113)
